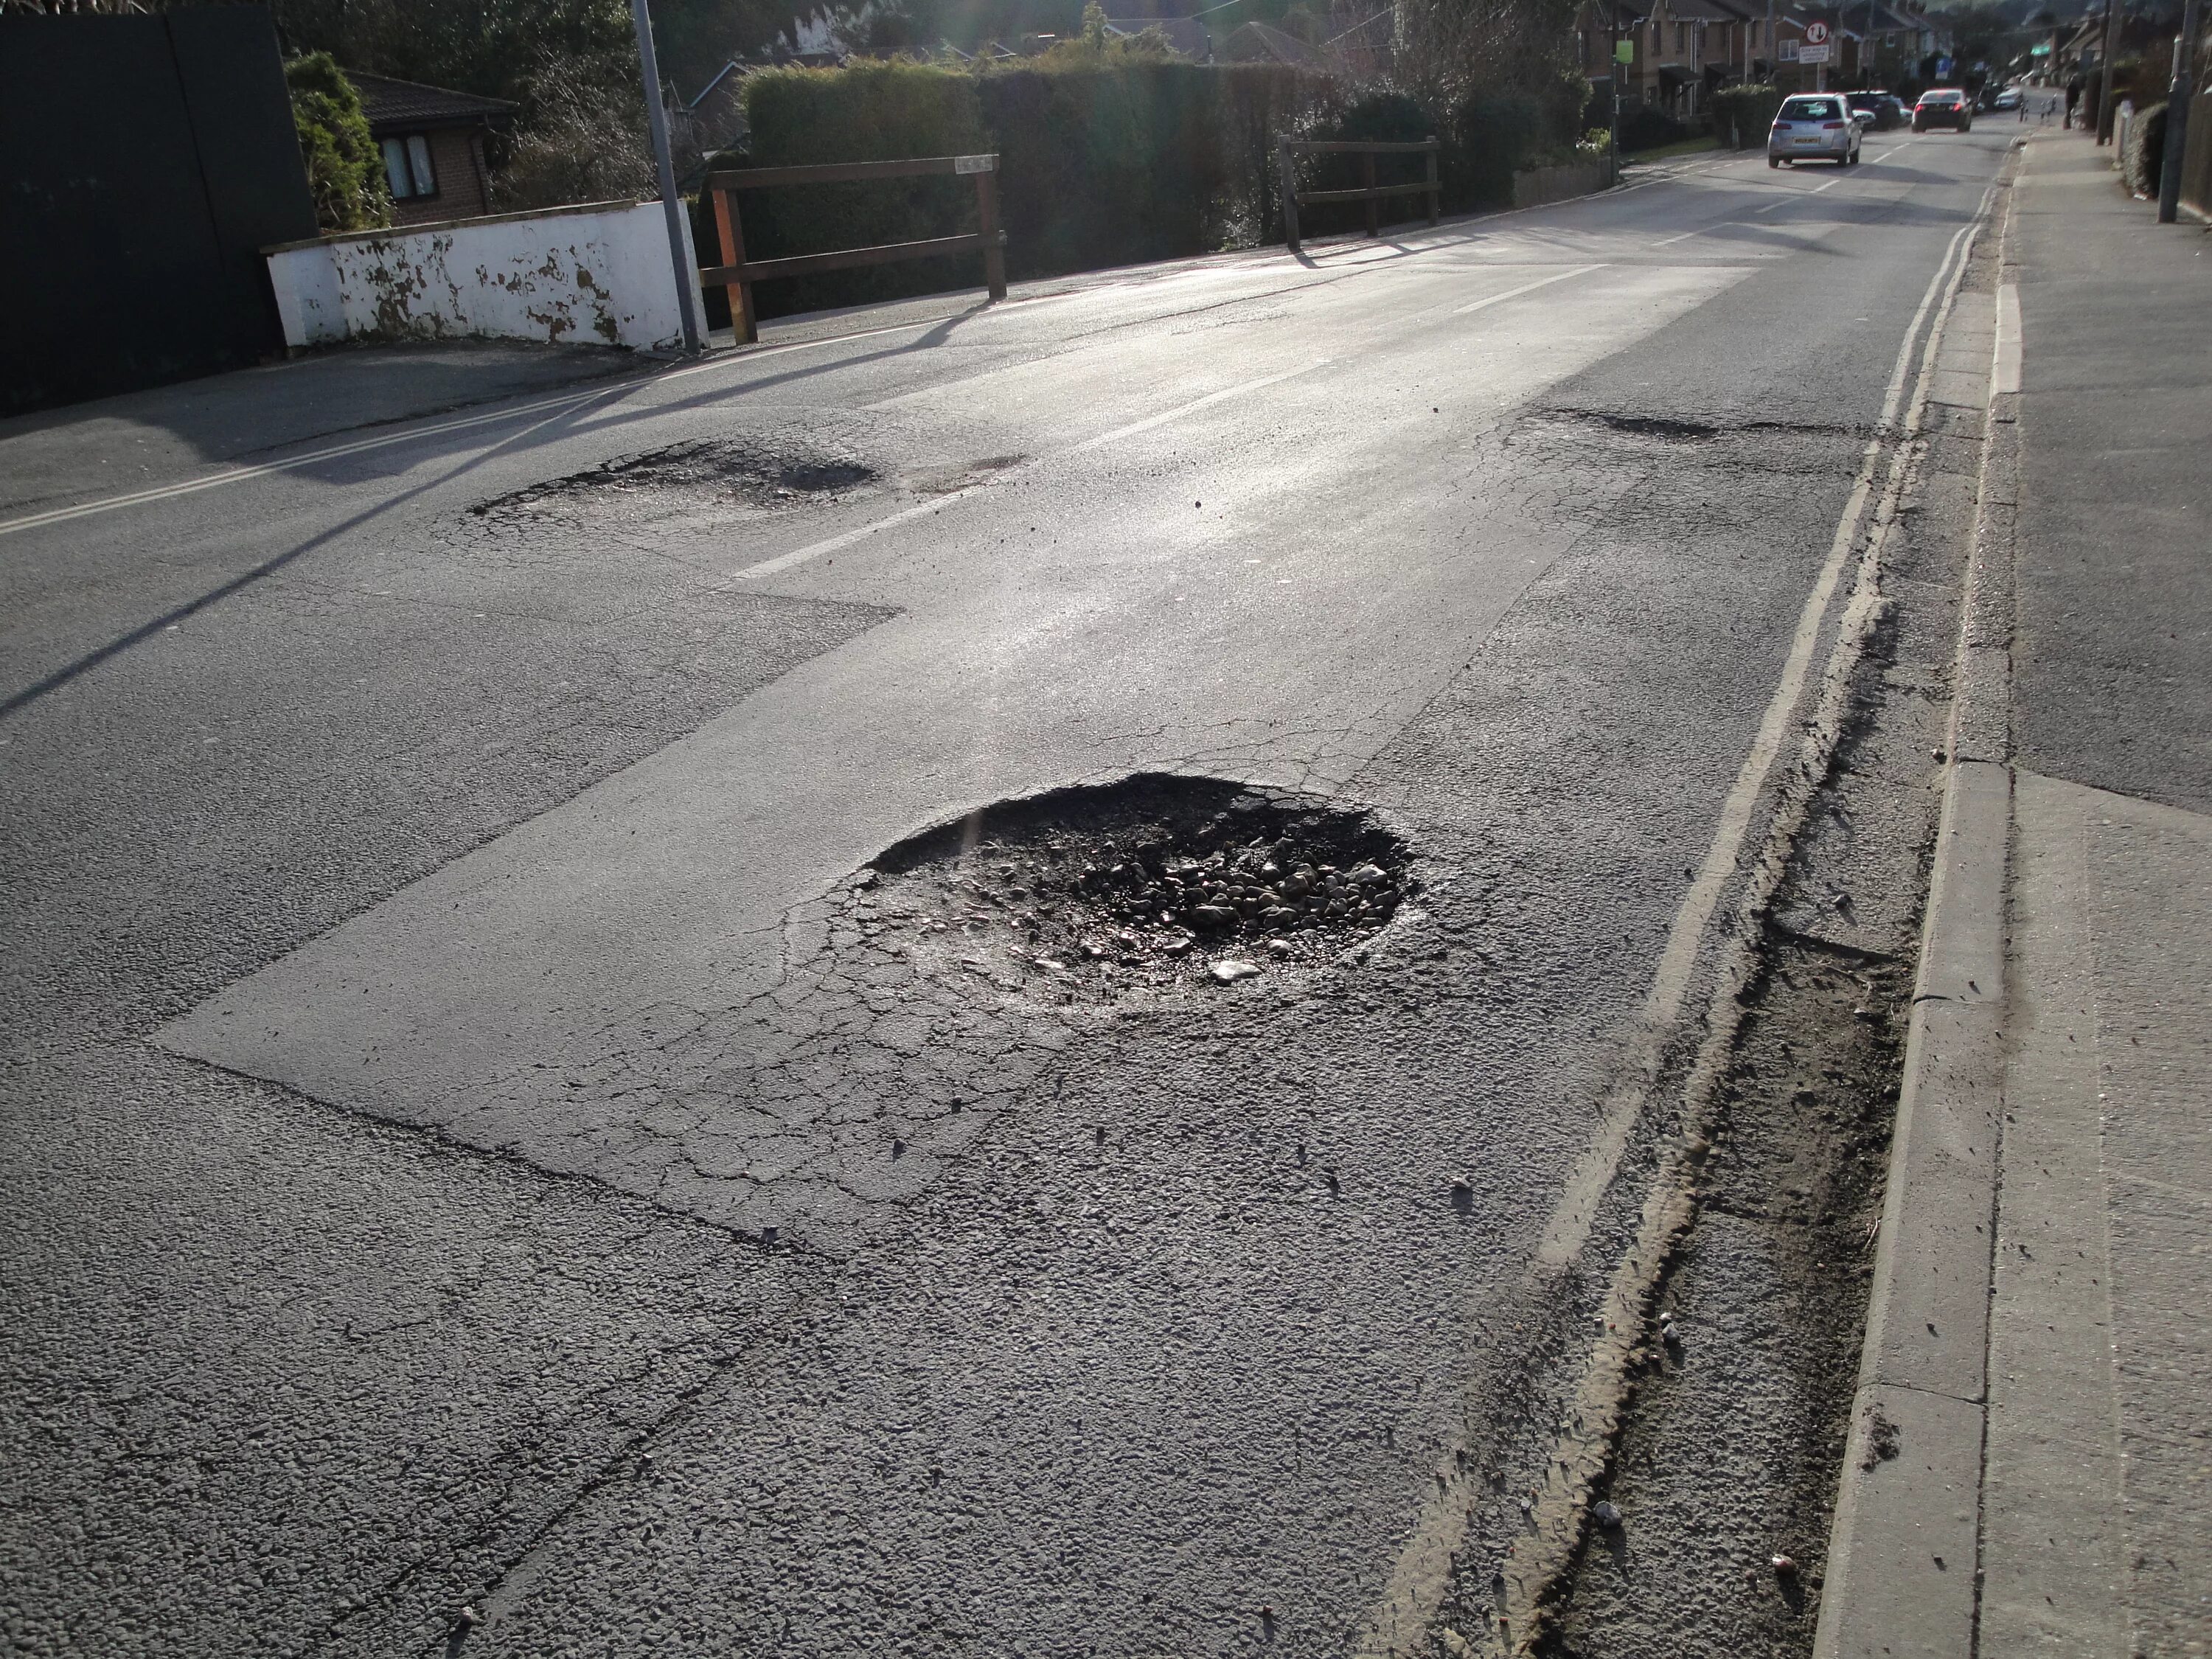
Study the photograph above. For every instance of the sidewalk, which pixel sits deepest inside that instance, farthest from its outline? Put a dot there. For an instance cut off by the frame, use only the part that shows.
(2096, 1492)
(2030, 1469)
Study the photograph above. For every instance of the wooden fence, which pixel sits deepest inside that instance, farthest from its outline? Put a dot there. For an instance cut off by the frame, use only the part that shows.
(1369, 191)
(739, 274)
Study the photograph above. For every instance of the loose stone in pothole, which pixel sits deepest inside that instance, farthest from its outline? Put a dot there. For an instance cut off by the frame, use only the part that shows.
(1100, 893)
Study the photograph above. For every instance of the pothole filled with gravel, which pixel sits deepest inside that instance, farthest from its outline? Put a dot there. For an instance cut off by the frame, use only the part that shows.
(733, 471)
(1099, 894)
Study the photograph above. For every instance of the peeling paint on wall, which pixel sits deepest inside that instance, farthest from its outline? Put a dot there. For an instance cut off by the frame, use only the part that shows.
(598, 273)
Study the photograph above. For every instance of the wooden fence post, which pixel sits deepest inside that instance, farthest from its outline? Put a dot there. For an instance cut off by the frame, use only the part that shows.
(742, 328)
(1367, 179)
(987, 215)
(1290, 175)
(1436, 190)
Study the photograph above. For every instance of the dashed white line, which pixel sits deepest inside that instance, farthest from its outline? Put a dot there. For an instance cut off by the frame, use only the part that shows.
(1525, 288)
(835, 544)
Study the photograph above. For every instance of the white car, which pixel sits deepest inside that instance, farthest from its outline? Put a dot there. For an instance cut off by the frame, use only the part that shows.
(1813, 126)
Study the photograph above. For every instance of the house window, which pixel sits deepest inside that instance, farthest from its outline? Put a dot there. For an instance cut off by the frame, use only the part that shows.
(1681, 36)
(407, 166)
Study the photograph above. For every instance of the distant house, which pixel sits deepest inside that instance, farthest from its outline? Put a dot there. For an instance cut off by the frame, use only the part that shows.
(432, 144)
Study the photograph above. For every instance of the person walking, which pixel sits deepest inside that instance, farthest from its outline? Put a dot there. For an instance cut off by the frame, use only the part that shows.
(2072, 97)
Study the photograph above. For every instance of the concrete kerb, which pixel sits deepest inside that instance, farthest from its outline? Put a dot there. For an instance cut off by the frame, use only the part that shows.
(1903, 1569)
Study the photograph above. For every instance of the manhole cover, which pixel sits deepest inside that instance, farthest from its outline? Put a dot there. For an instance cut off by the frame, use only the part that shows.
(1100, 893)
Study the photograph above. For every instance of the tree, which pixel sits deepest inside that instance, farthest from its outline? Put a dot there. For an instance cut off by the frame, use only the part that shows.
(345, 173)
(584, 141)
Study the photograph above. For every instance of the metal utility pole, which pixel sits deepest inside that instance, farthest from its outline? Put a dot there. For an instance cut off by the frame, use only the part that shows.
(671, 207)
(2105, 83)
(2178, 100)
(1613, 89)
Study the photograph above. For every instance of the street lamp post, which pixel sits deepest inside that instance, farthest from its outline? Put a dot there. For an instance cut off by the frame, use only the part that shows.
(656, 116)
(2178, 100)
(1612, 90)
(2104, 82)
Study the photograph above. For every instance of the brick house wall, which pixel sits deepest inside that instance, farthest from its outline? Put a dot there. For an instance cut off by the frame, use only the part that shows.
(456, 158)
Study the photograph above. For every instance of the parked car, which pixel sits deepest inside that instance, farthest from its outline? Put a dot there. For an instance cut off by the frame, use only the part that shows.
(1885, 111)
(1943, 106)
(1813, 126)
(2007, 99)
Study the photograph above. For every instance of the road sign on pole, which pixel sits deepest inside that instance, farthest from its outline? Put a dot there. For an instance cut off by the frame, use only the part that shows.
(1816, 34)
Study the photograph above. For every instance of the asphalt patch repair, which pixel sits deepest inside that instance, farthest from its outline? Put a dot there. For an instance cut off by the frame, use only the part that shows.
(927, 992)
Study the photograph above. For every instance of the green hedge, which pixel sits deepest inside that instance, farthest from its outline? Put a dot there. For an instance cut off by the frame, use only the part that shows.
(1748, 112)
(1107, 165)
(867, 112)
(1105, 159)
(1642, 127)
(2145, 158)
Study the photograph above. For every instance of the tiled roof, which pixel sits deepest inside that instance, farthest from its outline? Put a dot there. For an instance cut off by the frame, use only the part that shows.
(1186, 35)
(1262, 43)
(390, 105)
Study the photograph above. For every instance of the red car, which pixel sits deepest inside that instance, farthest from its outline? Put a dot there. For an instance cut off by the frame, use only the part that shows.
(1945, 106)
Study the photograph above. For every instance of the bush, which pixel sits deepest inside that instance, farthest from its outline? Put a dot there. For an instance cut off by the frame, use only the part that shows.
(1111, 153)
(582, 140)
(1105, 165)
(867, 112)
(345, 170)
(1746, 112)
(2144, 160)
(1387, 117)
(1493, 136)
(1642, 127)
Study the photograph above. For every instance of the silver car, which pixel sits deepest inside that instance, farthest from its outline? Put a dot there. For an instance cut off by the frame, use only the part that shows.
(1813, 126)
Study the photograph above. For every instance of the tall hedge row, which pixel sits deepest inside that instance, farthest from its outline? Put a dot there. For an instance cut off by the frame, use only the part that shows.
(1100, 163)
(1747, 113)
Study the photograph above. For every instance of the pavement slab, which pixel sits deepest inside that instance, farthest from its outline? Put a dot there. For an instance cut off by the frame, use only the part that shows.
(2098, 1409)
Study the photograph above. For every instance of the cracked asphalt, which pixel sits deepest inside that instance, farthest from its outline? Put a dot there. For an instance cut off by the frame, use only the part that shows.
(421, 923)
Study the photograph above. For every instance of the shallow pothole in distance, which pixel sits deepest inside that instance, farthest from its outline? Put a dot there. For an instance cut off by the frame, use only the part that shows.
(1103, 893)
(742, 471)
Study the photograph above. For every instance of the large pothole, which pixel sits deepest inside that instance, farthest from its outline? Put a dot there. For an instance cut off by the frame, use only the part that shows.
(1100, 894)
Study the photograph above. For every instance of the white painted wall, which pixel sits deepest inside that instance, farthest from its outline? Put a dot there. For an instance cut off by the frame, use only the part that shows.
(596, 275)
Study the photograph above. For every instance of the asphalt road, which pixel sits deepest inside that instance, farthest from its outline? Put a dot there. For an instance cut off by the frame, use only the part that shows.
(383, 1239)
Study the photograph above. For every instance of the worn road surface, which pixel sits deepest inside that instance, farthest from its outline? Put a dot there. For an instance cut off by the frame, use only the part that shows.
(462, 1150)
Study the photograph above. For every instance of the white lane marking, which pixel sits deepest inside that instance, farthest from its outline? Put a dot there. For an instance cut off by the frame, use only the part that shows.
(1400, 1617)
(1831, 185)
(906, 515)
(1670, 981)
(385, 440)
(815, 550)
(1193, 407)
(2005, 376)
(1525, 288)
(1706, 230)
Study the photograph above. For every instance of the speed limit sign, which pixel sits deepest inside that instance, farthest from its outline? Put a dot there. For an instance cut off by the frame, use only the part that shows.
(1816, 34)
